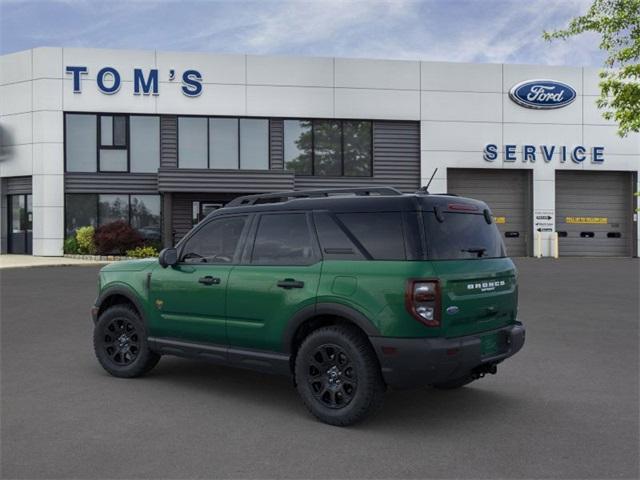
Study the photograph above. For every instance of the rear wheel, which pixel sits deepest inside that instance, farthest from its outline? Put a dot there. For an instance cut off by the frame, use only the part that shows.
(120, 343)
(338, 376)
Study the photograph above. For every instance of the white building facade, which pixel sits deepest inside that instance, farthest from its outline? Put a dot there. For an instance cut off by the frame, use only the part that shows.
(158, 139)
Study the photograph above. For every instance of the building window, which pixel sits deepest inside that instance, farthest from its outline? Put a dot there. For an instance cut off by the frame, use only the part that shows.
(80, 211)
(192, 142)
(142, 212)
(145, 216)
(144, 143)
(223, 143)
(254, 144)
(112, 143)
(297, 146)
(332, 148)
(80, 142)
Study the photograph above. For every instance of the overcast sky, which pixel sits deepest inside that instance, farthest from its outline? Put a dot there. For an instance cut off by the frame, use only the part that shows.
(450, 30)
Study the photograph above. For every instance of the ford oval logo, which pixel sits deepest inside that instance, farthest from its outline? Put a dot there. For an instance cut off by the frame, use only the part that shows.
(542, 94)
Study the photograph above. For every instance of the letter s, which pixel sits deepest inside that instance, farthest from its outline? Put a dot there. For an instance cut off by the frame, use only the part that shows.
(191, 83)
(490, 152)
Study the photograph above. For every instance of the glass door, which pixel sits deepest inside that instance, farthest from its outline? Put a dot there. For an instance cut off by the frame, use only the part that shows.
(20, 224)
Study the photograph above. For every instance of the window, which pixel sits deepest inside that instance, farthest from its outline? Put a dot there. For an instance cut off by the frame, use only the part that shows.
(329, 147)
(216, 242)
(113, 143)
(112, 208)
(142, 212)
(297, 146)
(192, 142)
(199, 210)
(223, 142)
(254, 144)
(80, 142)
(80, 211)
(283, 239)
(145, 216)
(334, 242)
(357, 149)
(381, 234)
(461, 236)
(145, 143)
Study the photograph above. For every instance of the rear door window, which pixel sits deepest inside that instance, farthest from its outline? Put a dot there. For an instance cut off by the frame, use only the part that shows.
(380, 234)
(283, 239)
(461, 236)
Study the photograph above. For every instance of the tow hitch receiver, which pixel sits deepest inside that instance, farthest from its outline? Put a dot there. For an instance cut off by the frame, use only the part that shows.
(483, 370)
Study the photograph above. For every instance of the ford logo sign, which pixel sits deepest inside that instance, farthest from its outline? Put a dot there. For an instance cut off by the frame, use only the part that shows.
(542, 94)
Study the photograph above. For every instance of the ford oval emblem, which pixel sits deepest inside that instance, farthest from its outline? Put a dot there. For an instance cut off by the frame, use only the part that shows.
(542, 94)
(452, 310)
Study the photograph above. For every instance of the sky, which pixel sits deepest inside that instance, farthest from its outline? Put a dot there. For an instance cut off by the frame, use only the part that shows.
(486, 31)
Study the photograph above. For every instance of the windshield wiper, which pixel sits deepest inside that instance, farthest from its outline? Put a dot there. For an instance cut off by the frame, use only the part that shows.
(479, 251)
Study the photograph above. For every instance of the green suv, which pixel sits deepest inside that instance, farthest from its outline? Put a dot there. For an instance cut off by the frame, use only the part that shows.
(347, 291)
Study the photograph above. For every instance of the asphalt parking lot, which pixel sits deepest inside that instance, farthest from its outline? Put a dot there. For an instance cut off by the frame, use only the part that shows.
(565, 407)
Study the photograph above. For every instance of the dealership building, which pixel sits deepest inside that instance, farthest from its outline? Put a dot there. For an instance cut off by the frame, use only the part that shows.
(159, 139)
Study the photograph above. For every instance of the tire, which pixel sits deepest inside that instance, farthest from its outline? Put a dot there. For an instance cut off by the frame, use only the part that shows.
(455, 383)
(338, 376)
(125, 356)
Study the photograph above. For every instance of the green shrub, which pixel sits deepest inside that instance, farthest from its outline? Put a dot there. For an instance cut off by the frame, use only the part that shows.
(143, 252)
(84, 237)
(71, 245)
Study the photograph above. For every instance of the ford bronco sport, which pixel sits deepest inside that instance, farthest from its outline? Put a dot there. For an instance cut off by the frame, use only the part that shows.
(347, 291)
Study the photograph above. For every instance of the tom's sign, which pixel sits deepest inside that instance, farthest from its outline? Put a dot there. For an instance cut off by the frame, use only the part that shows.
(108, 80)
(542, 94)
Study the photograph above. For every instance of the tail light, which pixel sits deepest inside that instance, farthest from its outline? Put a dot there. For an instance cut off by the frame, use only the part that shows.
(422, 299)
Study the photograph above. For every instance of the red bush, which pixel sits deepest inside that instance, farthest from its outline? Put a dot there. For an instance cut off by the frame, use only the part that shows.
(116, 238)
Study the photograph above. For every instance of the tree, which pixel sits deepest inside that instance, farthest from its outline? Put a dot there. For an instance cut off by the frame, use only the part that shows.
(618, 23)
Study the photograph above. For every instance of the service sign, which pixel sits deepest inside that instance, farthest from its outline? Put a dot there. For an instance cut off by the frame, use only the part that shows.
(542, 94)
(544, 220)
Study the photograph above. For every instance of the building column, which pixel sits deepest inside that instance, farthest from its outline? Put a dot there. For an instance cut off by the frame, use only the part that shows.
(544, 206)
(167, 220)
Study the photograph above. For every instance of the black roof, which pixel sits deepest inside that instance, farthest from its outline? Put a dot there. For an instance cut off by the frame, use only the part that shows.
(388, 201)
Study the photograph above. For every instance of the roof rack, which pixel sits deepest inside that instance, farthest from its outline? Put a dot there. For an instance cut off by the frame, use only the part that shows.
(277, 197)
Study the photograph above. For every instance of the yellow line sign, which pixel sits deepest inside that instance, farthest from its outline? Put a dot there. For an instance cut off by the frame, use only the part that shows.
(587, 220)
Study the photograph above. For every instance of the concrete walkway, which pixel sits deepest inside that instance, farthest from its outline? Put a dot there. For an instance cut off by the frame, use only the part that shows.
(25, 261)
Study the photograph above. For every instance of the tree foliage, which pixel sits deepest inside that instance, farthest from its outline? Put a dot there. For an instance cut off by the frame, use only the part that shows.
(618, 24)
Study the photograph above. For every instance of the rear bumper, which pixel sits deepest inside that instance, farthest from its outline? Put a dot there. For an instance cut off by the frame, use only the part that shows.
(415, 362)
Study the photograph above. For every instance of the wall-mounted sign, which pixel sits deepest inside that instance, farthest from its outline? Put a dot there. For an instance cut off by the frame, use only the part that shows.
(546, 153)
(587, 220)
(542, 94)
(500, 220)
(544, 220)
(108, 80)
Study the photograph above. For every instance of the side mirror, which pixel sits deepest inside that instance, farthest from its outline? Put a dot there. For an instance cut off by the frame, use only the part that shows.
(168, 257)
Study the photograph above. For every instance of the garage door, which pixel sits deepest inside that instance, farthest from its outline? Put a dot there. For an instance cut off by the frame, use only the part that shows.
(594, 213)
(507, 194)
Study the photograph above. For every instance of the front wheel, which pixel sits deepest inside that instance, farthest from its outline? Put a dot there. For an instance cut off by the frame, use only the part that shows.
(338, 376)
(120, 343)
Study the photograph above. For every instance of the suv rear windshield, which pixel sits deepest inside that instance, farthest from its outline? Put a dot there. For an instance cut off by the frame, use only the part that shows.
(461, 236)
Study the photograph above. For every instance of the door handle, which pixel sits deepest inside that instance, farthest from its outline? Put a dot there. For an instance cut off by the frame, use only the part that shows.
(209, 280)
(289, 283)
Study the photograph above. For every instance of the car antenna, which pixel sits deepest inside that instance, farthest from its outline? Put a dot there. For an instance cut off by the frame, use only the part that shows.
(425, 189)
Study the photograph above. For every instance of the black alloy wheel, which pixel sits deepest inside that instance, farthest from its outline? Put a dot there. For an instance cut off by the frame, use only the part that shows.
(332, 376)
